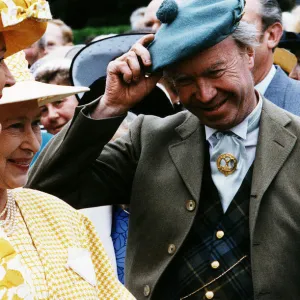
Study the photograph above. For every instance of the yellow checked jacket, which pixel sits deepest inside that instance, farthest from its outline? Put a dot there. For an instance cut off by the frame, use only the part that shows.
(75, 263)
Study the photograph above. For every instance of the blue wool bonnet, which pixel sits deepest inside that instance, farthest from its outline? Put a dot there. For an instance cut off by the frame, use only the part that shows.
(193, 26)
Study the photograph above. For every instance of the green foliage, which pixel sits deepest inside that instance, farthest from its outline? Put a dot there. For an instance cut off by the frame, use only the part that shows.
(82, 35)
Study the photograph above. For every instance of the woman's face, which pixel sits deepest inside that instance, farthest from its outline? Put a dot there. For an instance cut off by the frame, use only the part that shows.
(20, 139)
(54, 116)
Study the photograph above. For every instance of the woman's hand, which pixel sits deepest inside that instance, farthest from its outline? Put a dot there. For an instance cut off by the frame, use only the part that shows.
(126, 83)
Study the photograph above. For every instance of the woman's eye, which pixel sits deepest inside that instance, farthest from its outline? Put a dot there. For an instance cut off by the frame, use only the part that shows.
(16, 125)
(43, 110)
(57, 103)
(36, 123)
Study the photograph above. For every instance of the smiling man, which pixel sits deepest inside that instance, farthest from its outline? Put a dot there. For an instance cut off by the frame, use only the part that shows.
(213, 191)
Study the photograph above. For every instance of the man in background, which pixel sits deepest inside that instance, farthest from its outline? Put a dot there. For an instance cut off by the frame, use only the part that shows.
(57, 34)
(270, 80)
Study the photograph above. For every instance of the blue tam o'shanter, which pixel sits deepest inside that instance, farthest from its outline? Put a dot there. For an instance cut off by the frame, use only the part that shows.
(193, 26)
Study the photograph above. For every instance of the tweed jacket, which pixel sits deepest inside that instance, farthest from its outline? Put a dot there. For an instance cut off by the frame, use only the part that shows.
(158, 167)
(284, 92)
(55, 227)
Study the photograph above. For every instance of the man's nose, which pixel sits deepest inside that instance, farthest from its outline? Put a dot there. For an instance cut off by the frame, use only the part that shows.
(205, 90)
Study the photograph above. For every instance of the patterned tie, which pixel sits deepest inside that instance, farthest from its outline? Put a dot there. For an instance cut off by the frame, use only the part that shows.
(229, 143)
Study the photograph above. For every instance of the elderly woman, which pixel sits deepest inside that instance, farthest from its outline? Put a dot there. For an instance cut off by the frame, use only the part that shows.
(47, 249)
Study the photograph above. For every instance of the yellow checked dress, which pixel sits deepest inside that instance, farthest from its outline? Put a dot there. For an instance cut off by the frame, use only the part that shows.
(47, 235)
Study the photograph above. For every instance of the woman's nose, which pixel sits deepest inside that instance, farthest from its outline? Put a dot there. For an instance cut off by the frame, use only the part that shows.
(9, 78)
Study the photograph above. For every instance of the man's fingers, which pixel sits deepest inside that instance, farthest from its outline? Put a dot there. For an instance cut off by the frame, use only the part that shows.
(134, 65)
(120, 68)
(143, 53)
(146, 40)
(130, 65)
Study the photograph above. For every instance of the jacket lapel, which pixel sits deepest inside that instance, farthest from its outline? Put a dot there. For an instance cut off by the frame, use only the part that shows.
(275, 144)
(188, 154)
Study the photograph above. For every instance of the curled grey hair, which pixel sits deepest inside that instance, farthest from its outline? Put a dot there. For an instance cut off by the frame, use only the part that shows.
(245, 35)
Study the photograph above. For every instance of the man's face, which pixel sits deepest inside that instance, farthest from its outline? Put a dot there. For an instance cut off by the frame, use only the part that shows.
(262, 52)
(53, 37)
(34, 53)
(295, 73)
(216, 85)
(150, 19)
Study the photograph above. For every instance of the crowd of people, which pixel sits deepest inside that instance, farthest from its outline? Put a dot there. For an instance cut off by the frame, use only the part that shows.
(159, 164)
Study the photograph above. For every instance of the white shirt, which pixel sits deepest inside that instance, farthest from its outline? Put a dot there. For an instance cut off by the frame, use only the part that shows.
(249, 140)
(264, 84)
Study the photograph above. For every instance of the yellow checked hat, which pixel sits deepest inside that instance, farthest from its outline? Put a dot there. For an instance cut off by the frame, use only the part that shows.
(27, 89)
(23, 22)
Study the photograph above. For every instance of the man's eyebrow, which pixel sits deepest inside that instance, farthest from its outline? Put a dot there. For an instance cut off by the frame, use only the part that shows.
(216, 65)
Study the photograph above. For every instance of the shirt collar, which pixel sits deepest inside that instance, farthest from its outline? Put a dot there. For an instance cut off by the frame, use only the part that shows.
(263, 85)
(240, 129)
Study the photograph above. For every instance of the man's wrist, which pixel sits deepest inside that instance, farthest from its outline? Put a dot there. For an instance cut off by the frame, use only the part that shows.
(105, 110)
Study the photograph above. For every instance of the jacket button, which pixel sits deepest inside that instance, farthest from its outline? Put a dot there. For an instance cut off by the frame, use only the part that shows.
(215, 264)
(171, 249)
(190, 205)
(220, 234)
(146, 290)
(209, 295)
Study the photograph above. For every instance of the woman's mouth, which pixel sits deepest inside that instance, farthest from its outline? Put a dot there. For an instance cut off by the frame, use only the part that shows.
(21, 163)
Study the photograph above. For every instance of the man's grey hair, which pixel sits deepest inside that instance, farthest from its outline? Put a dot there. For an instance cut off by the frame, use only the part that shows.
(270, 13)
(245, 35)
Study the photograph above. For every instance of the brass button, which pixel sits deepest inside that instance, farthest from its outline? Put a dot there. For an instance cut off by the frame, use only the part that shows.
(220, 234)
(190, 205)
(171, 249)
(147, 290)
(215, 264)
(209, 295)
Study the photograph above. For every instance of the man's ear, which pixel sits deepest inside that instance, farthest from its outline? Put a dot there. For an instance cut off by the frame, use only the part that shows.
(250, 56)
(274, 33)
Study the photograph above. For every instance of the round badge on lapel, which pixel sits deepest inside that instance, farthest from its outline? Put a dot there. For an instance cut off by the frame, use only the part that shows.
(227, 164)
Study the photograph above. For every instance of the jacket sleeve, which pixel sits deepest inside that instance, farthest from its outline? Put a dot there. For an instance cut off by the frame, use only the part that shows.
(75, 167)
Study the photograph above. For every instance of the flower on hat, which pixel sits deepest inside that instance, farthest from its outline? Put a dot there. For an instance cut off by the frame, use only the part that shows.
(13, 14)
